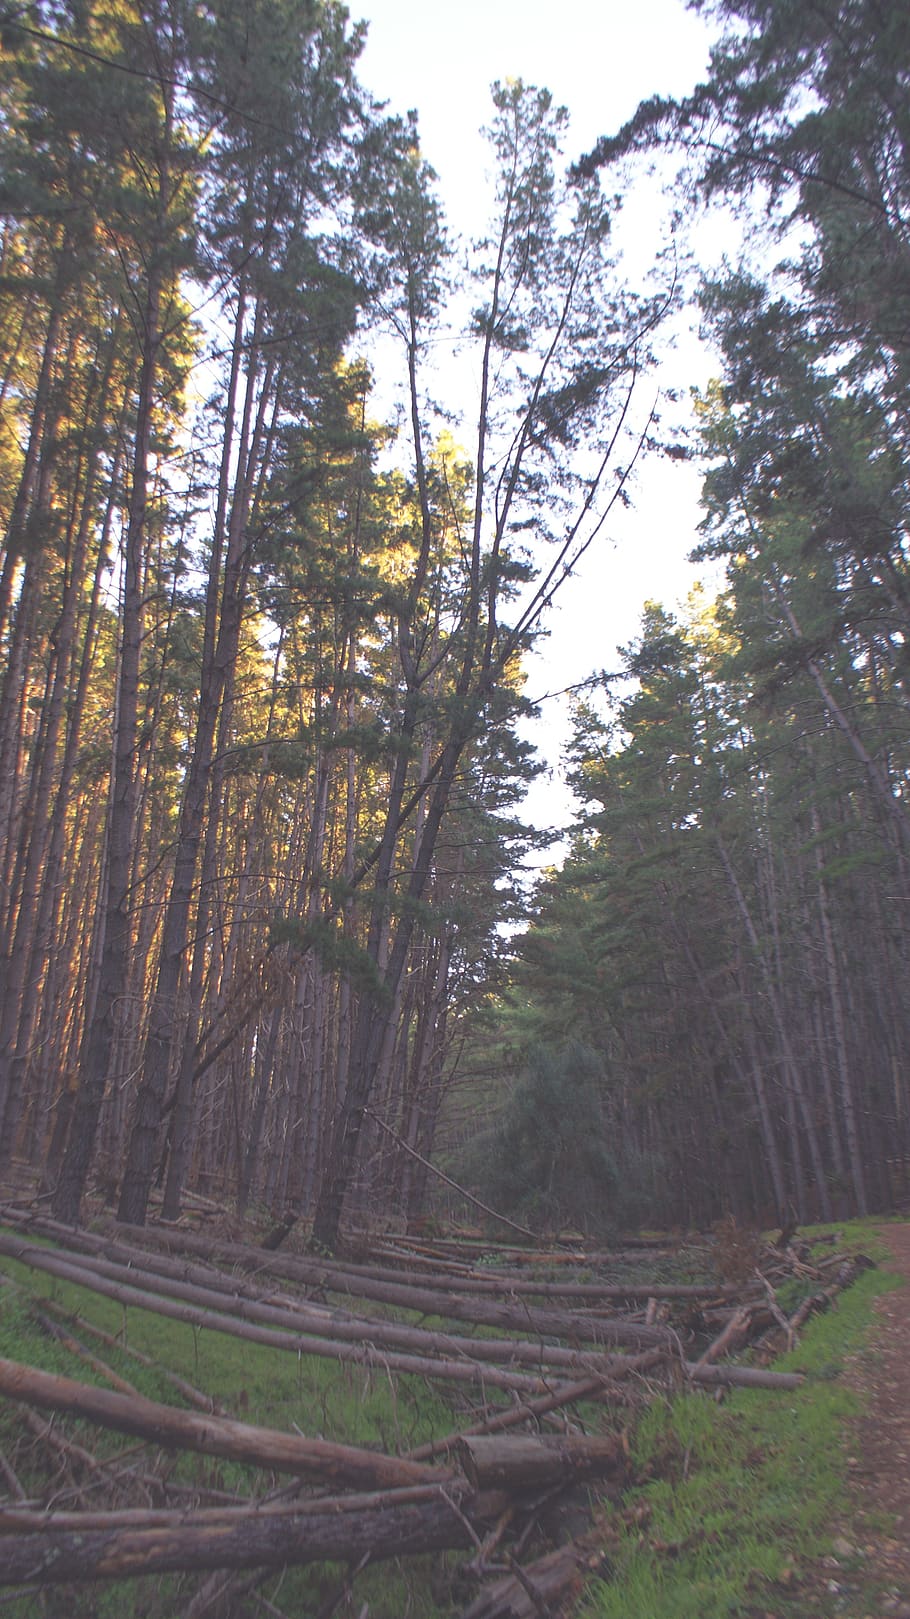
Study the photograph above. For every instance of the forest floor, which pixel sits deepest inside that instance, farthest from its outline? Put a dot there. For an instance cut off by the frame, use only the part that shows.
(729, 1503)
(869, 1573)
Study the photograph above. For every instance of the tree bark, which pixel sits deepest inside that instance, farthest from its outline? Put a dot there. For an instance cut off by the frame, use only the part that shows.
(339, 1530)
(532, 1462)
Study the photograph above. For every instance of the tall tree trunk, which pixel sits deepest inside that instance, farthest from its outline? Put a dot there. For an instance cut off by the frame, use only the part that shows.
(101, 1031)
(35, 898)
(841, 1058)
(792, 1070)
(216, 674)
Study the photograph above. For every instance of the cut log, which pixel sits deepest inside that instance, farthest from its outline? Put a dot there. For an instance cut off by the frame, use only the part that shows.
(362, 1353)
(533, 1462)
(213, 1436)
(193, 1396)
(539, 1588)
(74, 1347)
(518, 1317)
(300, 1316)
(498, 1311)
(395, 1524)
(365, 1282)
(742, 1377)
(592, 1388)
(30, 1520)
(734, 1335)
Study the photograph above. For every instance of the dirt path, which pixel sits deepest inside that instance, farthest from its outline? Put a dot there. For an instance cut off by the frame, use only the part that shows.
(871, 1575)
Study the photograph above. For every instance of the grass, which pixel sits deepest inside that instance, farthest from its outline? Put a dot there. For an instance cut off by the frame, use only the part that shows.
(254, 1383)
(259, 1384)
(735, 1498)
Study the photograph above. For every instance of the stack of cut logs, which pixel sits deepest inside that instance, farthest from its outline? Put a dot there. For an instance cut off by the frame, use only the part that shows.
(525, 1348)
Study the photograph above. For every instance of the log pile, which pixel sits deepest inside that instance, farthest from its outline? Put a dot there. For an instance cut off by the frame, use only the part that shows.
(527, 1345)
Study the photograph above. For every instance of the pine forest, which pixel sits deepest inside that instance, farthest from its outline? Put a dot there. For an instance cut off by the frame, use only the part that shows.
(268, 595)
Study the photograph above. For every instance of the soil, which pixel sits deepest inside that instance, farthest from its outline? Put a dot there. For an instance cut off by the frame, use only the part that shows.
(869, 1573)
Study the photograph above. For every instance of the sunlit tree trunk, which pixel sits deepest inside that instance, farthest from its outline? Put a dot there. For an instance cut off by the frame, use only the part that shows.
(115, 950)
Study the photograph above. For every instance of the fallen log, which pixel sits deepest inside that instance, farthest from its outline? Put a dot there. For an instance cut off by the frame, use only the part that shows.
(32, 1520)
(540, 1588)
(732, 1337)
(193, 1396)
(506, 1286)
(823, 1298)
(499, 1285)
(213, 1436)
(393, 1524)
(362, 1353)
(84, 1248)
(334, 1278)
(596, 1388)
(502, 1282)
(741, 1377)
(533, 1462)
(74, 1347)
(300, 1317)
(577, 1327)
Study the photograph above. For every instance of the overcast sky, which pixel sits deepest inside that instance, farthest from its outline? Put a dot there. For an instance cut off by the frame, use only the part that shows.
(599, 58)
